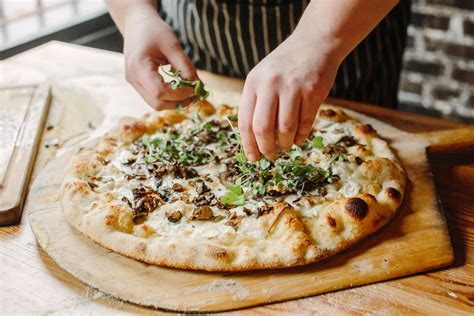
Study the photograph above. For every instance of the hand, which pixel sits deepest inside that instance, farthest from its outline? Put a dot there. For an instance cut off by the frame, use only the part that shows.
(282, 95)
(148, 43)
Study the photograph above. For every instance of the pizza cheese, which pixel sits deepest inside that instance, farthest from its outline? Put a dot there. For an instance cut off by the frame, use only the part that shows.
(174, 188)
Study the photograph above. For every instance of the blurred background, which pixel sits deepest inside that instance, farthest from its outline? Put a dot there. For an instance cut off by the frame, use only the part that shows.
(438, 75)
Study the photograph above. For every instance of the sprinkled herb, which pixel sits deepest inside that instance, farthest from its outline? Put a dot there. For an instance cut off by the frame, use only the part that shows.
(233, 118)
(177, 81)
(317, 142)
(234, 195)
(179, 106)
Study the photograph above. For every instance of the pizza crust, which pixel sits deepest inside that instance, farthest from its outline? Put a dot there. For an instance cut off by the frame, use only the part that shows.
(281, 238)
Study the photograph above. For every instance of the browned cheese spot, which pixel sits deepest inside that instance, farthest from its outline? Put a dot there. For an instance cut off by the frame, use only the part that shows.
(366, 129)
(327, 113)
(217, 253)
(357, 208)
(394, 194)
(110, 219)
(80, 187)
(142, 248)
(225, 109)
(133, 127)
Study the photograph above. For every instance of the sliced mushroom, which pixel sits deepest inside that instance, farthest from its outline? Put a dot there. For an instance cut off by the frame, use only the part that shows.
(174, 216)
(202, 213)
(177, 187)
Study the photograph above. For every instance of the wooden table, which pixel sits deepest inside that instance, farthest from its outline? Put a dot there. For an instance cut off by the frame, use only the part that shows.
(31, 282)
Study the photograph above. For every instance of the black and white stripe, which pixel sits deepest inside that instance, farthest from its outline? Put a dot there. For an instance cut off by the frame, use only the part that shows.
(231, 36)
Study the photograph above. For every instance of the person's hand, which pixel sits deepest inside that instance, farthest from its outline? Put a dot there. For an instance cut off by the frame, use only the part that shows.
(148, 43)
(282, 95)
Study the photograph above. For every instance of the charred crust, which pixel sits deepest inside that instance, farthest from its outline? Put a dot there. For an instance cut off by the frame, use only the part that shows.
(357, 208)
(394, 194)
(331, 221)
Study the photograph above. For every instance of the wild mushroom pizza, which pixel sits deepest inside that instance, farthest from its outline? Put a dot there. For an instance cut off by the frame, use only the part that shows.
(174, 188)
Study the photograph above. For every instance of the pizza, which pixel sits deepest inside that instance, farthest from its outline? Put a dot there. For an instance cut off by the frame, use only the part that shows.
(174, 188)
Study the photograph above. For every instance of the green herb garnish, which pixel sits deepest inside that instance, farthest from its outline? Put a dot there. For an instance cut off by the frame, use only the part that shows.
(317, 142)
(179, 106)
(177, 81)
(234, 195)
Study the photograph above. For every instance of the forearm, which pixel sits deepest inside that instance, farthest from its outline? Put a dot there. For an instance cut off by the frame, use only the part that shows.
(342, 24)
(124, 12)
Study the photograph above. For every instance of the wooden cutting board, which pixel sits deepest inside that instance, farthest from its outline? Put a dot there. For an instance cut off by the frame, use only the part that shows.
(23, 111)
(416, 240)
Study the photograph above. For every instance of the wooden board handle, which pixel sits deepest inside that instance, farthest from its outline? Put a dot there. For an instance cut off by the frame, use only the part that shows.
(450, 140)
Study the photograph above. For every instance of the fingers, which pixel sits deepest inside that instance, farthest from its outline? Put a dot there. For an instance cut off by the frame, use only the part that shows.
(288, 115)
(154, 84)
(308, 110)
(264, 123)
(179, 60)
(158, 104)
(246, 111)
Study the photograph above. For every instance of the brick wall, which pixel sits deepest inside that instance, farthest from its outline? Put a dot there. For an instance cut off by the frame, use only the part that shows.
(438, 74)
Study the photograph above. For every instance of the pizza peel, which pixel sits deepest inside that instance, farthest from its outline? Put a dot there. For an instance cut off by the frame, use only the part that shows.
(415, 240)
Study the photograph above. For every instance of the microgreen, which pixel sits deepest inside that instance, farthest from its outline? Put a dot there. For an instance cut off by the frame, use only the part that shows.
(179, 106)
(317, 142)
(234, 195)
(233, 118)
(177, 82)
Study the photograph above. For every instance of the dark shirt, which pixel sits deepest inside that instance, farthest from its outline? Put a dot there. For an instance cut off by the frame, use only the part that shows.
(231, 36)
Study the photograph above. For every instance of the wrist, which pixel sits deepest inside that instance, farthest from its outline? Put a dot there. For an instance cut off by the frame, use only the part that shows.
(322, 48)
(318, 34)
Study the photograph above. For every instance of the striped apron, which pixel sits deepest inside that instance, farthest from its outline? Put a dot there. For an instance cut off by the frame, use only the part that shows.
(230, 37)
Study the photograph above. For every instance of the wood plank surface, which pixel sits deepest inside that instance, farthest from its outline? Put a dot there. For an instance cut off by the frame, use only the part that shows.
(30, 281)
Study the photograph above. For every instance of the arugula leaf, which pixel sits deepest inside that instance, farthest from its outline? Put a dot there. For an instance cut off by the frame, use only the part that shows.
(317, 142)
(234, 195)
